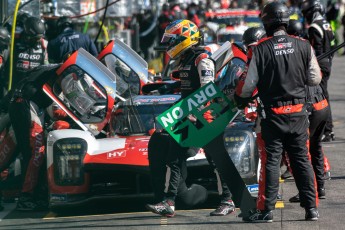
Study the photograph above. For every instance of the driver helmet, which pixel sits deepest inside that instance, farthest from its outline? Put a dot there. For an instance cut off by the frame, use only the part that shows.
(34, 30)
(179, 36)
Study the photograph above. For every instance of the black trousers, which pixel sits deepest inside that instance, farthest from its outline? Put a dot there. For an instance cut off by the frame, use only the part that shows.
(223, 189)
(317, 119)
(285, 132)
(164, 151)
(21, 122)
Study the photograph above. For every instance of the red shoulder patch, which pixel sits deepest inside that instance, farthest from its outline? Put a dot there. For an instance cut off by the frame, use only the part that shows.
(262, 40)
(200, 57)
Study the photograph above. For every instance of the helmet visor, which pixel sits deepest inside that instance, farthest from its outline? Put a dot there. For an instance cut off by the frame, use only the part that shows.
(172, 40)
(168, 39)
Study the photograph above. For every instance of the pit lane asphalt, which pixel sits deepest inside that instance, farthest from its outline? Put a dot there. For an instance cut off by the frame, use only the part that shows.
(131, 214)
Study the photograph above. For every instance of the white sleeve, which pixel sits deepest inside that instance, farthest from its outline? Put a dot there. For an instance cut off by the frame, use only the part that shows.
(251, 79)
(314, 71)
(206, 71)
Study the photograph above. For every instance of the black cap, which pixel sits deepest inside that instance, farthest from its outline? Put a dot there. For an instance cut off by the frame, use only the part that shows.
(252, 35)
(34, 27)
(275, 14)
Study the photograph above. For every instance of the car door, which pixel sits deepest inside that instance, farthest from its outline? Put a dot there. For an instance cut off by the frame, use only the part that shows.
(129, 68)
(85, 89)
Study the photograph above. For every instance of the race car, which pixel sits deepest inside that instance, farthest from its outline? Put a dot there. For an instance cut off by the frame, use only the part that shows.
(108, 155)
(232, 23)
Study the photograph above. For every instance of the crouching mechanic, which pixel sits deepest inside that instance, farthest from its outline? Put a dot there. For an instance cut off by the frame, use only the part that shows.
(284, 125)
(28, 125)
(194, 71)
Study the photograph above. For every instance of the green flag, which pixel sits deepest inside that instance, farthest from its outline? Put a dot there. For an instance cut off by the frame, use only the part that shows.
(185, 121)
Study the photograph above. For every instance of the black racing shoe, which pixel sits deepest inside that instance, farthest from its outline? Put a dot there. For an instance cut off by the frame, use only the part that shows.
(164, 208)
(311, 214)
(224, 208)
(322, 193)
(259, 217)
(295, 199)
(328, 137)
(286, 175)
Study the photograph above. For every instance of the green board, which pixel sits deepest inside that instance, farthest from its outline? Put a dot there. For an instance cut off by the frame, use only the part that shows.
(185, 120)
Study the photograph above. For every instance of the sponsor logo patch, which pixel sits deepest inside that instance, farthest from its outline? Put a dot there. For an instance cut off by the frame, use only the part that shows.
(282, 45)
(253, 188)
(116, 154)
(206, 73)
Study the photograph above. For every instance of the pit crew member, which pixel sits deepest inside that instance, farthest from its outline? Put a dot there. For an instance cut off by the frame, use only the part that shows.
(195, 70)
(322, 39)
(31, 49)
(285, 122)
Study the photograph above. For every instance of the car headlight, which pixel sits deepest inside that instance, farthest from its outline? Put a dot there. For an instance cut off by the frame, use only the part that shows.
(68, 159)
(240, 147)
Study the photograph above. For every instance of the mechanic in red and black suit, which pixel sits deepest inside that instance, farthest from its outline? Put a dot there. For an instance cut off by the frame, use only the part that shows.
(250, 38)
(280, 68)
(30, 50)
(28, 126)
(194, 71)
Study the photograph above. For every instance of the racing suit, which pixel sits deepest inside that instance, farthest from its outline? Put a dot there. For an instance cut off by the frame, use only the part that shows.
(29, 98)
(67, 42)
(27, 57)
(284, 123)
(321, 38)
(194, 71)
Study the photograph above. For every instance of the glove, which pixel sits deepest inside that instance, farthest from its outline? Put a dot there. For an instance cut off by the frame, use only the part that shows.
(241, 102)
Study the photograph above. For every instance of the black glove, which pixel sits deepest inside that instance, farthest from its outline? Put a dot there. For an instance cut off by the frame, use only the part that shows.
(241, 102)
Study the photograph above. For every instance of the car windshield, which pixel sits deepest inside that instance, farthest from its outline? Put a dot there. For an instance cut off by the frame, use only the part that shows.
(127, 80)
(231, 37)
(228, 20)
(81, 94)
(139, 116)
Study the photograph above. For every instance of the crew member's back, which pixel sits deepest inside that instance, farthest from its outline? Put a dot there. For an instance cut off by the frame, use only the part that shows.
(68, 41)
